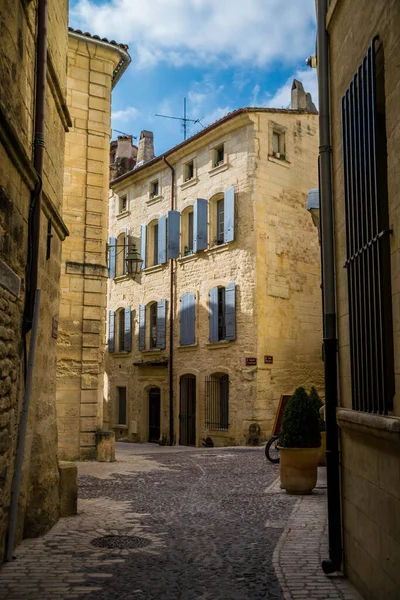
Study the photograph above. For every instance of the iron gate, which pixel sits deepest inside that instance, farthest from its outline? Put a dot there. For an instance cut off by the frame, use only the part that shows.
(187, 412)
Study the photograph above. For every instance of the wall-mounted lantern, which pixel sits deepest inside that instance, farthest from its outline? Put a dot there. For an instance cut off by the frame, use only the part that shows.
(314, 209)
(133, 260)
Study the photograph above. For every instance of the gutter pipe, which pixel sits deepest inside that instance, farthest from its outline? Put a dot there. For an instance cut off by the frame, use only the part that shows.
(333, 563)
(171, 322)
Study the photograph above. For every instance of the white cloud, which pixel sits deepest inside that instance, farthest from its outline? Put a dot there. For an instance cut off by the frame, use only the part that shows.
(125, 114)
(282, 97)
(200, 32)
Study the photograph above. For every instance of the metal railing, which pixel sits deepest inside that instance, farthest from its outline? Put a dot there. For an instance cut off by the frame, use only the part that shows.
(217, 402)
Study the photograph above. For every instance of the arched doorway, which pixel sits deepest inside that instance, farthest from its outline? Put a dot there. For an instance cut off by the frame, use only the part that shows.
(154, 414)
(187, 410)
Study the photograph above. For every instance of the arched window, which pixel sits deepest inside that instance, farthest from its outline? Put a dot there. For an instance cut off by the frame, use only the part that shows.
(152, 244)
(153, 325)
(222, 217)
(217, 402)
(187, 231)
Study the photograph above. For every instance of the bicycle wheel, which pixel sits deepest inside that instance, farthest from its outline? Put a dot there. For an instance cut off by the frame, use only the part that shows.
(272, 450)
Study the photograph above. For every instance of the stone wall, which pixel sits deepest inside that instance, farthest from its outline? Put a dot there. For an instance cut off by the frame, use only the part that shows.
(83, 280)
(369, 443)
(38, 502)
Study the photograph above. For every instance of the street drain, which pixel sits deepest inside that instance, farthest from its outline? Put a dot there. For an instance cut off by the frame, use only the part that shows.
(120, 541)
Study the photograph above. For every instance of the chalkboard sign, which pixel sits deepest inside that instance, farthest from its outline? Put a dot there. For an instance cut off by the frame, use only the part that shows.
(279, 414)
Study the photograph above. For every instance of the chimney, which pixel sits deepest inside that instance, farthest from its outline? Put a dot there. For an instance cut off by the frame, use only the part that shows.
(300, 99)
(145, 148)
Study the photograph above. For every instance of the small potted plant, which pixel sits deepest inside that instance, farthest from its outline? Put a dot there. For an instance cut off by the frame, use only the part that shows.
(319, 405)
(299, 444)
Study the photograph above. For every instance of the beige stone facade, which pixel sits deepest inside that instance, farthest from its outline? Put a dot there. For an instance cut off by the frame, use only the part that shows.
(370, 443)
(39, 494)
(260, 164)
(94, 67)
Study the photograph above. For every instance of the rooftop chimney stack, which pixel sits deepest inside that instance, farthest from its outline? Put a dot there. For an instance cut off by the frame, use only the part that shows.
(145, 148)
(300, 99)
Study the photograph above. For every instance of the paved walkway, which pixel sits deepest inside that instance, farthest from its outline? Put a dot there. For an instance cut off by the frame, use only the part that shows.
(173, 523)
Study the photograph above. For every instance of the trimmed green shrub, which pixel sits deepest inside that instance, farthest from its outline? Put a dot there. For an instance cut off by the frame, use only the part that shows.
(318, 404)
(300, 423)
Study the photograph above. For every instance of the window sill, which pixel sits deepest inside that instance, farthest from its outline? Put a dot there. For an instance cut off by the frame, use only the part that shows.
(219, 169)
(380, 426)
(120, 427)
(151, 352)
(188, 257)
(218, 248)
(221, 344)
(279, 161)
(189, 183)
(153, 269)
(120, 353)
(154, 199)
(120, 278)
(123, 214)
(187, 348)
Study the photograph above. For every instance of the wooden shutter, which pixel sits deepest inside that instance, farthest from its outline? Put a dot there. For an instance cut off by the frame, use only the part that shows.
(200, 225)
(187, 318)
(230, 312)
(161, 323)
(128, 330)
(143, 229)
(229, 214)
(174, 222)
(111, 331)
(214, 315)
(142, 327)
(162, 240)
(112, 257)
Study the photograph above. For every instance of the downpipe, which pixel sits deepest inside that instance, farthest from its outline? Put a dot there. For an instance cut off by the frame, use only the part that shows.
(333, 563)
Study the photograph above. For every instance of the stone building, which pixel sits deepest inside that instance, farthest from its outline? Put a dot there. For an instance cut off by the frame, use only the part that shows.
(225, 315)
(365, 124)
(31, 233)
(94, 68)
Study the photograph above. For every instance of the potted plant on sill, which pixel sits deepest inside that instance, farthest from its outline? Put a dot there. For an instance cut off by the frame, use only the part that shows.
(299, 444)
(319, 406)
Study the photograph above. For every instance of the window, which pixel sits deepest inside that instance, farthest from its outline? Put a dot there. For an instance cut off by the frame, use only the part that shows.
(188, 171)
(189, 248)
(222, 217)
(217, 402)
(218, 156)
(187, 319)
(122, 204)
(155, 244)
(220, 221)
(367, 237)
(152, 325)
(121, 255)
(187, 220)
(154, 189)
(278, 144)
(223, 313)
(120, 330)
(121, 395)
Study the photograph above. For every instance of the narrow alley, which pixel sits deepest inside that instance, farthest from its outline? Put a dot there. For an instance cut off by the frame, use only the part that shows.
(180, 523)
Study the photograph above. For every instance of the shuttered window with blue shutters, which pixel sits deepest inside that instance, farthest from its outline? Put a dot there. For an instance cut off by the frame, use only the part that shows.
(200, 225)
(142, 327)
(128, 330)
(230, 312)
(214, 315)
(143, 244)
(111, 331)
(174, 222)
(187, 319)
(162, 240)
(161, 323)
(112, 256)
(223, 313)
(229, 214)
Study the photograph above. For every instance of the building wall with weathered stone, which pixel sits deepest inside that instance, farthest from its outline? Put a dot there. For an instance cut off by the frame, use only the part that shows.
(39, 498)
(370, 444)
(254, 390)
(80, 345)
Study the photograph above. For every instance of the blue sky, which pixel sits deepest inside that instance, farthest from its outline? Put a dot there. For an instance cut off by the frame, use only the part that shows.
(219, 54)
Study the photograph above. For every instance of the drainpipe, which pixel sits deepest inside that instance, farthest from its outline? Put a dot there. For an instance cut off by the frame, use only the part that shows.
(334, 561)
(171, 322)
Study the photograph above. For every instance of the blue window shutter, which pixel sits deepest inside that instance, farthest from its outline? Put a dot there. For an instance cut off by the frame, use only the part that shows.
(128, 330)
(142, 326)
(161, 323)
(229, 214)
(200, 225)
(111, 331)
(162, 240)
(187, 314)
(174, 223)
(112, 257)
(214, 315)
(230, 312)
(143, 244)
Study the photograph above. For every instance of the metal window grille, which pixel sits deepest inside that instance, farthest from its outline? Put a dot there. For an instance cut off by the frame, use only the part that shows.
(217, 402)
(367, 239)
(121, 405)
(221, 314)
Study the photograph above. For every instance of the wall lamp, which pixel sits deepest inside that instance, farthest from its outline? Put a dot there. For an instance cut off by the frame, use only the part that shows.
(133, 260)
(313, 209)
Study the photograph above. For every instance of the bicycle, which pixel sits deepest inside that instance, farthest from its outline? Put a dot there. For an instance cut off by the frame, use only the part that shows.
(272, 449)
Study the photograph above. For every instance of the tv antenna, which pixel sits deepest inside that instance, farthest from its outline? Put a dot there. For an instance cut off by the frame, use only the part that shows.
(185, 119)
(123, 133)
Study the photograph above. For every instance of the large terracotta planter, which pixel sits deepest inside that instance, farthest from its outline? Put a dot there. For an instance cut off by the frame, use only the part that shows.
(298, 469)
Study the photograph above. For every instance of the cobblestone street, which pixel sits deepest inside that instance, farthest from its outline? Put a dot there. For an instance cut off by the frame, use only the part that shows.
(208, 524)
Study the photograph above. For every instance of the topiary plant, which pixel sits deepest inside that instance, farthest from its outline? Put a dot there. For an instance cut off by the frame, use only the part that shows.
(318, 404)
(300, 423)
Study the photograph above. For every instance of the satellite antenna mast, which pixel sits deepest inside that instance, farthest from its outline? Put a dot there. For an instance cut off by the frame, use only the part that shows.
(123, 133)
(185, 119)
